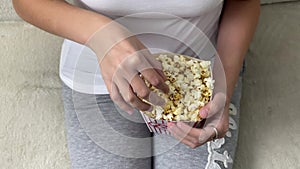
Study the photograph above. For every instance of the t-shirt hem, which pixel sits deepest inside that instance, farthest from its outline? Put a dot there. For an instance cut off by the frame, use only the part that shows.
(83, 88)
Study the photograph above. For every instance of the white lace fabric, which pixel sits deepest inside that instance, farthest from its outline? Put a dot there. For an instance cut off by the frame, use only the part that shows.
(214, 146)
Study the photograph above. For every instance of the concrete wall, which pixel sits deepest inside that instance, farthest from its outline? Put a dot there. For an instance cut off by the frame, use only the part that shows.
(31, 113)
(270, 129)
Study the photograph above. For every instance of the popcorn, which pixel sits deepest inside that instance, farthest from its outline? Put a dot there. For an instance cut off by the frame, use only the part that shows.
(191, 87)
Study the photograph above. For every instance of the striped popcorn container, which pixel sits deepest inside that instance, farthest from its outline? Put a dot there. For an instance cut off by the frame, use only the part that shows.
(190, 84)
(161, 126)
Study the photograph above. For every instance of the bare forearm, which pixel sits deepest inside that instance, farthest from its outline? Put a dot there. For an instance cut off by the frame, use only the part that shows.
(237, 27)
(60, 18)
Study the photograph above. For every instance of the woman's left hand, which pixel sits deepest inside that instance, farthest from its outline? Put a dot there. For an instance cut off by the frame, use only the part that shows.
(216, 113)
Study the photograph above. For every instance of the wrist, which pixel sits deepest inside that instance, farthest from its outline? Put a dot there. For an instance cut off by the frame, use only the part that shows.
(228, 100)
(106, 37)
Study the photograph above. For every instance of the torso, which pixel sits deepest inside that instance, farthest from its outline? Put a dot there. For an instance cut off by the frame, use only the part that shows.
(162, 18)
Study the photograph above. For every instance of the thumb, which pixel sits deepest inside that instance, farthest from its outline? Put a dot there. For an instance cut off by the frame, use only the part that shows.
(214, 106)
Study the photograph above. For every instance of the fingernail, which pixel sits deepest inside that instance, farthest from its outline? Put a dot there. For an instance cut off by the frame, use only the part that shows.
(203, 112)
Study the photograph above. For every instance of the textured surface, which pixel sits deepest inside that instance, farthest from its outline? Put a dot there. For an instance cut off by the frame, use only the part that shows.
(7, 12)
(269, 125)
(31, 123)
(31, 112)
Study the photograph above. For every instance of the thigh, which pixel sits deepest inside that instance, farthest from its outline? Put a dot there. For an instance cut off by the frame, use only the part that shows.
(218, 154)
(99, 135)
(177, 155)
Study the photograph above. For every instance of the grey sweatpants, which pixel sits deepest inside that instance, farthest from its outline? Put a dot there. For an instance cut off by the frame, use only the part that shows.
(101, 136)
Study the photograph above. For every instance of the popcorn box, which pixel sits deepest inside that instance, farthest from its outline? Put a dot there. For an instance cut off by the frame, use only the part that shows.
(191, 87)
(161, 127)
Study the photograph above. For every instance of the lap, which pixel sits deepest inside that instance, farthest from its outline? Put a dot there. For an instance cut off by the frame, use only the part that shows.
(101, 136)
(95, 147)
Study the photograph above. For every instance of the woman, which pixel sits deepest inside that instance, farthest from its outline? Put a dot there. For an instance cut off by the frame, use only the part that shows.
(120, 54)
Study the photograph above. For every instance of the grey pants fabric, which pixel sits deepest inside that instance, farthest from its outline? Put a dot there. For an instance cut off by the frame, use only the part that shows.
(101, 136)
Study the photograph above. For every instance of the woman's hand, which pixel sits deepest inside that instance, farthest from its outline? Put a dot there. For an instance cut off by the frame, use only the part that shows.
(217, 116)
(236, 30)
(125, 63)
(122, 70)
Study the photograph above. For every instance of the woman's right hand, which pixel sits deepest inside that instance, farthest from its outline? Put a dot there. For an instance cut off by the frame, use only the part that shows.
(121, 69)
(125, 63)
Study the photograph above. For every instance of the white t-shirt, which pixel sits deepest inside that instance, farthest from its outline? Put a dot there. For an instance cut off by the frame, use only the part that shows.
(79, 68)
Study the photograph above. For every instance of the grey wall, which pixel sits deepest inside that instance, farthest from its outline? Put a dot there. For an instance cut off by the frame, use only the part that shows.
(31, 113)
(270, 119)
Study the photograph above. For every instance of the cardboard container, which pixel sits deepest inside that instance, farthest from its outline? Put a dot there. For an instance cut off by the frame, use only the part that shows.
(160, 126)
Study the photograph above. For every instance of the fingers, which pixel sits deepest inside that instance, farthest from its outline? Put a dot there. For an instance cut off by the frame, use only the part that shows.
(206, 134)
(200, 136)
(128, 70)
(134, 90)
(118, 99)
(122, 65)
(217, 119)
(216, 115)
(193, 137)
(155, 79)
(128, 94)
(187, 129)
(151, 69)
(214, 107)
(182, 136)
(155, 64)
(142, 91)
(135, 101)
(139, 87)
(204, 112)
